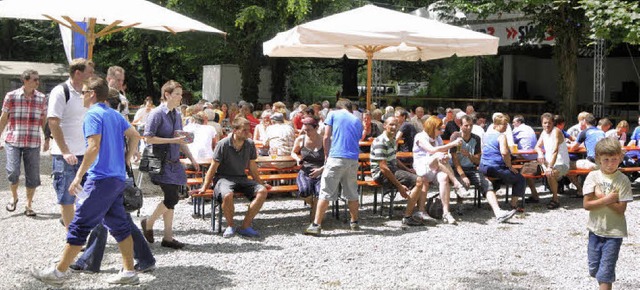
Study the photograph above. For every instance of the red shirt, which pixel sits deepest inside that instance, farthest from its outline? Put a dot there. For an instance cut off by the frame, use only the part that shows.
(25, 118)
(253, 122)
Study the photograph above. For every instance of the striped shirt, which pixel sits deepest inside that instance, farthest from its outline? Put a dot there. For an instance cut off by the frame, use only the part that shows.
(25, 118)
(382, 148)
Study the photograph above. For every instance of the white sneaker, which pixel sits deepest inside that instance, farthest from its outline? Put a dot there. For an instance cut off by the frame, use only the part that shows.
(424, 218)
(448, 219)
(505, 215)
(49, 276)
(123, 279)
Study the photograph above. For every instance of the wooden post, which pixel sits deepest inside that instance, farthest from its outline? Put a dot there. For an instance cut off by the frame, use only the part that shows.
(369, 52)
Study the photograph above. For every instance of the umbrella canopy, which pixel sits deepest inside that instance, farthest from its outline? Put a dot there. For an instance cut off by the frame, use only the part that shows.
(115, 14)
(371, 32)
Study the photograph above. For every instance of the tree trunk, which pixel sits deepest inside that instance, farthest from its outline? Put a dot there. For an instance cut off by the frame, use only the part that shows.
(146, 69)
(566, 54)
(279, 73)
(250, 73)
(349, 77)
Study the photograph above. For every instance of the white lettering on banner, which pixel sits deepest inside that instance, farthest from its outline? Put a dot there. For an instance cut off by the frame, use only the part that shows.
(510, 32)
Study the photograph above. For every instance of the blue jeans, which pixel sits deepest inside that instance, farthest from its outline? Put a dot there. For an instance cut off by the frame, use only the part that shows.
(91, 259)
(63, 175)
(603, 255)
(506, 177)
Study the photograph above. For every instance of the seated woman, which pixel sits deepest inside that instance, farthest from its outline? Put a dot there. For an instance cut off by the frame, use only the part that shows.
(260, 133)
(142, 113)
(619, 133)
(369, 131)
(308, 151)
(204, 137)
(431, 162)
(495, 160)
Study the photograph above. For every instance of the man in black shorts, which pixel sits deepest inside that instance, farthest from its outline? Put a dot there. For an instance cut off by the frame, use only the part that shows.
(231, 157)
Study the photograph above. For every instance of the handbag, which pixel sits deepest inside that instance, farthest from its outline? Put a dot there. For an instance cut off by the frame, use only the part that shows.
(152, 160)
(434, 207)
(132, 195)
(531, 168)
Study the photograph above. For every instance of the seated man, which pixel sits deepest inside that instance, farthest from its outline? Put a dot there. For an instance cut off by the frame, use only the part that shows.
(590, 135)
(230, 158)
(465, 163)
(553, 155)
(525, 139)
(385, 169)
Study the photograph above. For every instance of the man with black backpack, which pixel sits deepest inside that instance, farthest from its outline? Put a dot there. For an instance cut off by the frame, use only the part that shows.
(65, 115)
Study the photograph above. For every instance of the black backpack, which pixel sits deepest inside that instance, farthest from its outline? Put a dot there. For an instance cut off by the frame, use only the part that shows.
(67, 96)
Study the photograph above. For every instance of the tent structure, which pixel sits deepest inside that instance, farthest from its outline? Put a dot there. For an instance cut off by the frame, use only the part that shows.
(115, 14)
(371, 32)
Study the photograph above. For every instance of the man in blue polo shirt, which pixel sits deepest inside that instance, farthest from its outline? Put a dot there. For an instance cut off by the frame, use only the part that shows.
(590, 135)
(101, 199)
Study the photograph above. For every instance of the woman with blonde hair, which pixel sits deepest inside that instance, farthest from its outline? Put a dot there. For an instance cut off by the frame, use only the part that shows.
(431, 162)
(495, 160)
(620, 132)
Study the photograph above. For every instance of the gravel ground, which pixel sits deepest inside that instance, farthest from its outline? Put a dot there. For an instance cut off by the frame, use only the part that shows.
(541, 250)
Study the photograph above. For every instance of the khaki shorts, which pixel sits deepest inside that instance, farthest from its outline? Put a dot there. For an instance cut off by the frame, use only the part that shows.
(339, 172)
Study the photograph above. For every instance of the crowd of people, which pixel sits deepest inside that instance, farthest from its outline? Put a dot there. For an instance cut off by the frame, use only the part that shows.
(94, 144)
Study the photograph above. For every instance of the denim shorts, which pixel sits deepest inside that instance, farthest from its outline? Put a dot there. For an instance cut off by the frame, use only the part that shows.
(63, 175)
(603, 255)
(31, 159)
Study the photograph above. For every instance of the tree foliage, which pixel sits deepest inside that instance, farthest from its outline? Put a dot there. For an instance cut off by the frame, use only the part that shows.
(613, 20)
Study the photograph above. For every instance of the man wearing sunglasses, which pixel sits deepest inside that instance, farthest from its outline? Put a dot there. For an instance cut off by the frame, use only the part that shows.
(24, 110)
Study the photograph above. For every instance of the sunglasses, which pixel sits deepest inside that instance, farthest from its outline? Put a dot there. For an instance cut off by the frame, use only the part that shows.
(87, 91)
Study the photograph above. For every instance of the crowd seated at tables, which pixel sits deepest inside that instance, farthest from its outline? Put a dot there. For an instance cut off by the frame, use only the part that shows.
(444, 154)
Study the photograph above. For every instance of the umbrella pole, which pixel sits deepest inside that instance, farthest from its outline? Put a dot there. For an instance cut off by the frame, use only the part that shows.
(91, 37)
(369, 73)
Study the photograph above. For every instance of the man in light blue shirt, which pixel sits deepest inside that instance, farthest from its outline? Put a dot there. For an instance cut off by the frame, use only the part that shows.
(341, 139)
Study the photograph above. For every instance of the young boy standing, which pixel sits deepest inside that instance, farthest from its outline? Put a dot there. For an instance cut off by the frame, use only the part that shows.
(606, 193)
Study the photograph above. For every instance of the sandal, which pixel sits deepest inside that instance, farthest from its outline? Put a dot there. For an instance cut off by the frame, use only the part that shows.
(12, 205)
(531, 199)
(553, 205)
(517, 208)
(29, 212)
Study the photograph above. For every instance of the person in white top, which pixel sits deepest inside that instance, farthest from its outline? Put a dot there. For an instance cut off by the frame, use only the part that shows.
(553, 155)
(204, 137)
(141, 114)
(65, 117)
(431, 162)
(619, 133)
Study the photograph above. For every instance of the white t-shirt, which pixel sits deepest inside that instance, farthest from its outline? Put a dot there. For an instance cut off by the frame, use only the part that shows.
(124, 110)
(203, 136)
(604, 221)
(71, 115)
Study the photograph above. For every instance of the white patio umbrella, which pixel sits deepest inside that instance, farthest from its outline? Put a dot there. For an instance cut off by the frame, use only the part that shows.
(371, 32)
(115, 14)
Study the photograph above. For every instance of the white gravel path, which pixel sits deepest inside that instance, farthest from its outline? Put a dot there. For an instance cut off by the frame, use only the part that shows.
(542, 250)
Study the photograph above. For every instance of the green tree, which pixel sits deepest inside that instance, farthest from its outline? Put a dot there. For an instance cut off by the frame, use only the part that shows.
(613, 20)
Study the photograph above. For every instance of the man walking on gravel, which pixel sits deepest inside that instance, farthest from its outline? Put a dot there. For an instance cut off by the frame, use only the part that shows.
(65, 114)
(342, 133)
(101, 199)
(24, 110)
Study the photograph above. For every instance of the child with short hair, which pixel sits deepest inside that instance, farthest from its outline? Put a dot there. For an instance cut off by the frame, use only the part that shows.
(606, 193)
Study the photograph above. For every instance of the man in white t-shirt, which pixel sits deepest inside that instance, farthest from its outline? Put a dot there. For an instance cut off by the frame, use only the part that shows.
(65, 116)
(115, 78)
